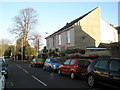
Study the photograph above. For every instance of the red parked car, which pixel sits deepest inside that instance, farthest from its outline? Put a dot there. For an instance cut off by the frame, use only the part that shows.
(74, 67)
(37, 62)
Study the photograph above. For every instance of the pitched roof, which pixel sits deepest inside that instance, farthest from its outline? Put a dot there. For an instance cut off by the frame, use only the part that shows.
(104, 45)
(118, 28)
(71, 23)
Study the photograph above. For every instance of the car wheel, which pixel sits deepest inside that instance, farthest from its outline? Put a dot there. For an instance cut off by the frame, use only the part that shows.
(72, 75)
(59, 72)
(44, 68)
(31, 65)
(6, 76)
(91, 81)
(50, 69)
(5, 87)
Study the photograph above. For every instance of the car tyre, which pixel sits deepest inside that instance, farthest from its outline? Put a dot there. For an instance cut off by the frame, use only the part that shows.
(50, 69)
(91, 80)
(44, 68)
(59, 72)
(6, 76)
(5, 87)
(31, 65)
(72, 75)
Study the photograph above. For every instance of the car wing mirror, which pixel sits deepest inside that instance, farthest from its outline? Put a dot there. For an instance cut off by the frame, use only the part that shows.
(3, 72)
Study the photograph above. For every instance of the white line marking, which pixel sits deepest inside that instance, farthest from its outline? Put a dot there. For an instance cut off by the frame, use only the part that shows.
(25, 71)
(39, 80)
(19, 66)
(11, 84)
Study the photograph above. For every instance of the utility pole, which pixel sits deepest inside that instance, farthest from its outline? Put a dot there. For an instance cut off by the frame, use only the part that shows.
(38, 46)
(22, 50)
(15, 52)
(1, 48)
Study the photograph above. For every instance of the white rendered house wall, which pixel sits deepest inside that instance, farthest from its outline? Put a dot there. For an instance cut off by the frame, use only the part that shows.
(108, 33)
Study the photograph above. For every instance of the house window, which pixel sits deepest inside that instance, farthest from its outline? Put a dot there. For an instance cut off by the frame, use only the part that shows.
(48, 43)
(53, 41)
(68, 36)
(114, 36)
(59, 39)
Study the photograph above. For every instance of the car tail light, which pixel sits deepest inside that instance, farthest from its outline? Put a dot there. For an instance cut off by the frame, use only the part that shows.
(77, 66)
(36, 62)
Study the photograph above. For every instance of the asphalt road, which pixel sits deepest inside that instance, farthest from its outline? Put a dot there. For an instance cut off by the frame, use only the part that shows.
(21, 75)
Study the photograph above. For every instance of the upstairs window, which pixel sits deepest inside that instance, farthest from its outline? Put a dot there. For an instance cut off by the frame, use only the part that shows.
(59, 39)
(68, 36)
(53, 41)
(48, 42)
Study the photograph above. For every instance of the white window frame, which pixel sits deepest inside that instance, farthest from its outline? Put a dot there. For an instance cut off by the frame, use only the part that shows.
(59, 39)
(68, 37)
(48, 43)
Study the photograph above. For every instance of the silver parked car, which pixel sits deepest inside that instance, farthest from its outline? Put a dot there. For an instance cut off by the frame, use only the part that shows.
(4, 66)
(2, 81)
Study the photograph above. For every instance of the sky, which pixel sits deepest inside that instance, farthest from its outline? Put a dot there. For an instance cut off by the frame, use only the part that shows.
(53, 15)
(119, 13)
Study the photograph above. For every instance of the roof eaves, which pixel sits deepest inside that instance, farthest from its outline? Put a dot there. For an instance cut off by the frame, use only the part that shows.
(118, 27)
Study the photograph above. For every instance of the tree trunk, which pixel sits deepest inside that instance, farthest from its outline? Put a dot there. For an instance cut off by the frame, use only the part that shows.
(24, 49)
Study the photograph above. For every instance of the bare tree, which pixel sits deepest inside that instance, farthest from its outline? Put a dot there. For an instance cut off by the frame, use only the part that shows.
(36, 37)
(23, 25)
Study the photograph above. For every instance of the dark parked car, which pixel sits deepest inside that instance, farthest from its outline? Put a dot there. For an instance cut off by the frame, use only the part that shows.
(74, 67)
(104, 71)
(37, 62)
(3, 66)
(52, 64)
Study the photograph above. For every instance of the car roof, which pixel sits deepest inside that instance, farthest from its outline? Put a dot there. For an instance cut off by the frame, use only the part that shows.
(3, 58)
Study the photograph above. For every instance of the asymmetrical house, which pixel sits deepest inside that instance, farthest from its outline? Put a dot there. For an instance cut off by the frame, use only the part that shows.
(86, 31)
(118, 28)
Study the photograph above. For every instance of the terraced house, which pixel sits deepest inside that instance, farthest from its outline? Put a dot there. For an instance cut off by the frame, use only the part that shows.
(88, 30)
